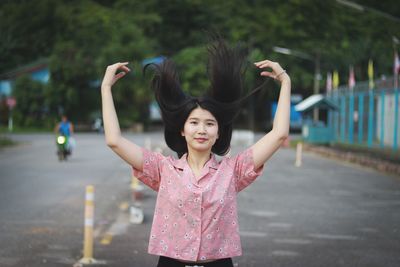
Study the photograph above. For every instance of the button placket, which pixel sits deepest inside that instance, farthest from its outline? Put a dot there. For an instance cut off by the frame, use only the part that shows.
(199, 222)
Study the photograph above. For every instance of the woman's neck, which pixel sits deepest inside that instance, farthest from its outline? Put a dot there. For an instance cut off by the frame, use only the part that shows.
(197, 160)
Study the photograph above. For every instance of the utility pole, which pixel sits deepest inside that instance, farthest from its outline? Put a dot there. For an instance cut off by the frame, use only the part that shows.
(317, 78)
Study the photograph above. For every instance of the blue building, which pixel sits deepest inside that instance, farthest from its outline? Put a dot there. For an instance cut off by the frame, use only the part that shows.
(38, 70)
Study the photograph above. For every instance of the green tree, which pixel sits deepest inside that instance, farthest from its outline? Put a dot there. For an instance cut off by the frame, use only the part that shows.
(28, 31)
(82, 37)
(95, 36)
(126, 42)
(191, 63)
(70, 90)
(30, 108)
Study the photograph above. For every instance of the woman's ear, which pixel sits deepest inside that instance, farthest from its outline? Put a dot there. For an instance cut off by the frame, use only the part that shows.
(182, 133)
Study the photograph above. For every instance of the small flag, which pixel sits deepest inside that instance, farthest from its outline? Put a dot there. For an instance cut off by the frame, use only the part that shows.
(335, 79)
(352, 79)
(328, 82)
(396, 69)
(371, 73)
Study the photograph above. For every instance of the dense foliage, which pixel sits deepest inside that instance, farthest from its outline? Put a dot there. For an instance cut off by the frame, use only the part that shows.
(80, 38)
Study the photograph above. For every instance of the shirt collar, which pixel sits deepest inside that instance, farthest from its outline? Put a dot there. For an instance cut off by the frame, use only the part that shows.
(182, 162)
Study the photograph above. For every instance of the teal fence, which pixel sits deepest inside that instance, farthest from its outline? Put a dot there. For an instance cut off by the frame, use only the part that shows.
(367, 117)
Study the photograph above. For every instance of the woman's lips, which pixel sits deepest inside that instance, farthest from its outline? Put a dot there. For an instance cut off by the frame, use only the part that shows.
(201, 140)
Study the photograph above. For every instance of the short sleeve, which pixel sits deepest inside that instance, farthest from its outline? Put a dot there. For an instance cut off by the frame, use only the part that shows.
(150, 175)
(244, 170)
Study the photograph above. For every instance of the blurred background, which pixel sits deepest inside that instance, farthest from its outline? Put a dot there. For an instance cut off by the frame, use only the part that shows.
(342, 57)
(53, 53)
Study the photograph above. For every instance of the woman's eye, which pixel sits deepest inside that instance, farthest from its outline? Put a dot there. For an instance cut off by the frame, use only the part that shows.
(193, 122)
(210, 124)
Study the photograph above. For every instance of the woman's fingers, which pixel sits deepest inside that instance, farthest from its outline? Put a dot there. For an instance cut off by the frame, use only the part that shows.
(125, 68)
(111, 75)
(265, 63)
(268, 63)
(119, 75)
(119, 64)
(261, 62)
(274, 66)
(116, 66)
(268, 74)
(122, 65)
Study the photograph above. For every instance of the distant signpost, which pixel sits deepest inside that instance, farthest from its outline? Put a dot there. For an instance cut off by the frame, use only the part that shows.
(10, 102)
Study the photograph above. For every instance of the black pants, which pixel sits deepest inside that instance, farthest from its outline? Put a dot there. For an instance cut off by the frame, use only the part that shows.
(169, 262)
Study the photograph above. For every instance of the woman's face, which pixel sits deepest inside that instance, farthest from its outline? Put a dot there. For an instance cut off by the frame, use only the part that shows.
(200, 130)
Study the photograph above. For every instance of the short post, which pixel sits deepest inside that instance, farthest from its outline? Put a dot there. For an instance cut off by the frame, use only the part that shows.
(136, 213)
(147, 143)
(299, 152)
(88, 235)
(11, 102)
(137, 189)
(10, 121)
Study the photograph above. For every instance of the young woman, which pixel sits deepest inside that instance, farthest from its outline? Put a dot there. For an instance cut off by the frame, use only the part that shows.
(195, 219)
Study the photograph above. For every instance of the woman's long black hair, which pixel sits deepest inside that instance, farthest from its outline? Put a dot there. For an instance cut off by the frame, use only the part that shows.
(223, 98)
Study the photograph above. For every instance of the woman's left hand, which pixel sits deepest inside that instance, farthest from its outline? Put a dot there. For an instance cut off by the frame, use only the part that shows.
(277, 73)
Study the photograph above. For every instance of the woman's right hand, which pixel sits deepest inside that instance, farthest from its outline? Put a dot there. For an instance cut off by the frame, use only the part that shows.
(111, 76)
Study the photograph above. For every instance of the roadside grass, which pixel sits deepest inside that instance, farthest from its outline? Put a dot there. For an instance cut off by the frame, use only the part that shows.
(17, 130)
(5, 142)
(387, 154)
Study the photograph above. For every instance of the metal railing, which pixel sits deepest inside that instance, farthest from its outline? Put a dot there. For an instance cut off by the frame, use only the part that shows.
(367, 117)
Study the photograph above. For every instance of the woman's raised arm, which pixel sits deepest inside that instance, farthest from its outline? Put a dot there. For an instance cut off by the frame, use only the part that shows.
(267, 145)
(127, 150)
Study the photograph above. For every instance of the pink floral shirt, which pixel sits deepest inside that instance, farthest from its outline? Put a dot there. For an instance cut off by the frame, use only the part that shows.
(196, 218)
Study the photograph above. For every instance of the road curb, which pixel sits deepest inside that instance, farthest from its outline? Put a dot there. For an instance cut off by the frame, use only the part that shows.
(375, 163)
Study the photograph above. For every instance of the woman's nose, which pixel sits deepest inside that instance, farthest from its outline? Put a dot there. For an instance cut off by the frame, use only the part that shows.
(202, 129)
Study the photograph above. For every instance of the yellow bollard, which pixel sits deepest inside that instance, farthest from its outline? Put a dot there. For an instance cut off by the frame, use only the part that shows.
(299, 151)
(136, 213)
(89, 221)
(88, 235)
(137, 189)
(134, 183)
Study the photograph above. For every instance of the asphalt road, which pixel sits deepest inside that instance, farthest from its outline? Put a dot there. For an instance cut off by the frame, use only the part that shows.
(325, 213)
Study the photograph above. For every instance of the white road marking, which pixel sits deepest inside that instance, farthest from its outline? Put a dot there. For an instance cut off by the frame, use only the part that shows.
(285, 253)
(368, 230)
(334, 237)
(252, 234)
(280, 225)
(263, 213)
(292, 241)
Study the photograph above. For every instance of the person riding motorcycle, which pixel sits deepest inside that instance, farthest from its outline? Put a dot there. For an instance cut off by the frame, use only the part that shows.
(64, 130)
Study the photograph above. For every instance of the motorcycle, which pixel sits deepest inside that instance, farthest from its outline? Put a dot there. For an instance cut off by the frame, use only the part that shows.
(63, 148)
